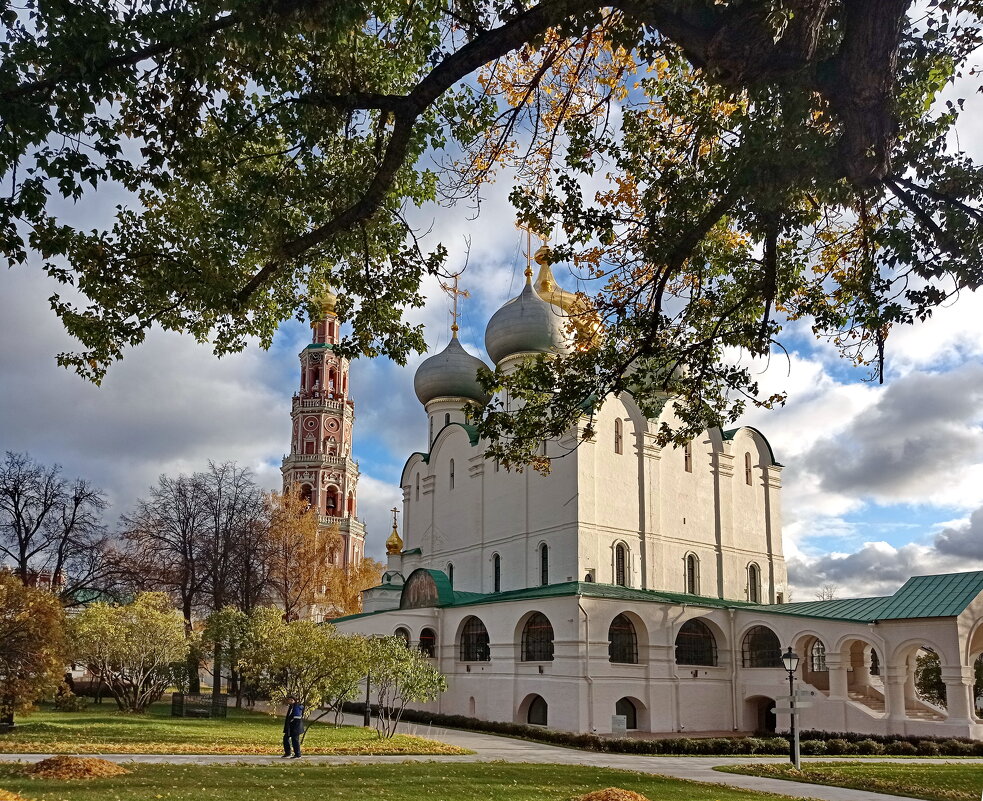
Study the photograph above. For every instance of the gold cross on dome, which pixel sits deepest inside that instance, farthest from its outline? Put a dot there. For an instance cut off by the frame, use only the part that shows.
(543, 240)
(455, 293)
(395, 512)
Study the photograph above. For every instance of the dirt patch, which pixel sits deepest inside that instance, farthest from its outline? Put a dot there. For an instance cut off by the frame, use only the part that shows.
(67, 767)
(6, 795)
(612, 794)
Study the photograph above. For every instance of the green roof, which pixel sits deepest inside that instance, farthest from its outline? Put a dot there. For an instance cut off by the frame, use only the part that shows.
(730, 433)
(943, 595)
(314, 345)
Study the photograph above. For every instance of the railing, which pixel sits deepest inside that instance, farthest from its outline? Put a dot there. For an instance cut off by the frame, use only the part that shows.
(318, 403)
(318, 458)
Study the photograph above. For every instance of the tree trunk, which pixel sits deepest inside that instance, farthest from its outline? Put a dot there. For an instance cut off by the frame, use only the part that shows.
(217, 676)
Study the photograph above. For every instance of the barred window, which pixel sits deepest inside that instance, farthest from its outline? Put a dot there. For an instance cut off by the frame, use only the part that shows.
(544, 564)
(761, 649)
(688, 457)
(692, 574)
(428, 643)
(754, 583)
(747, 469)
(474, 641)
(417, 487)
(621, 565)
(817, 657)
(538, 711)
(695, 644)
(622, 641)
(497, 573)
(618, 436)
(537, 639)
(452, 474)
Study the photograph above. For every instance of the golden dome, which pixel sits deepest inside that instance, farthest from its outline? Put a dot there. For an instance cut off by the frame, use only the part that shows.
(576, 307)
(325, 301)
(394, 544)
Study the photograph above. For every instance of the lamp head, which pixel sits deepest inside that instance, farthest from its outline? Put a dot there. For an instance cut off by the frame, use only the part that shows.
(790, 659)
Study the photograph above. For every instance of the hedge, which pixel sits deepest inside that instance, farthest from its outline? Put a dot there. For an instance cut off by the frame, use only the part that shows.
(812, 742)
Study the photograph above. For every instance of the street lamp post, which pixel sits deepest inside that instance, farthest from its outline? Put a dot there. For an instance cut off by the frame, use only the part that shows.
(790, 660)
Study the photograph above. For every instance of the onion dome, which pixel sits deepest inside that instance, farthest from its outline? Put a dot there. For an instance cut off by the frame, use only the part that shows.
(526, 324)
(325, 301)
(548, 289)
(394, 544)
(452, 373)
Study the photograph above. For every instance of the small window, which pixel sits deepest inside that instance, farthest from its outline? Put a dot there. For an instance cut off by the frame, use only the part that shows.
(688, 457)
(780, 598)
(544, 564)
(537, 711)
(474, 641)
(447, 419)
(622, 641)
(692, 574)
(497, 465)
(621, 565)
(537, 639)
(452, 474)
(428, 643)
(589, 577)
(747, 469)
(450, 573)
(817, 657)
(618, 436)
(431, 430)
(497, 573)
(753, 583)
(417, 486)
(404, 635)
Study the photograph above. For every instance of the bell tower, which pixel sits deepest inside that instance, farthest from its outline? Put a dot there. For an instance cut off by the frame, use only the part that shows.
(320, 460)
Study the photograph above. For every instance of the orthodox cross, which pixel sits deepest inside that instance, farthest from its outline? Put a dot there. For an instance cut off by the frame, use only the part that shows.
(543, 239)
(395, 512)
(455, 293)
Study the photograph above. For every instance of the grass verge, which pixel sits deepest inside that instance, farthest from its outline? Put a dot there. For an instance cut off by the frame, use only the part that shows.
(496, 781)
(156, 732)
(934, 782)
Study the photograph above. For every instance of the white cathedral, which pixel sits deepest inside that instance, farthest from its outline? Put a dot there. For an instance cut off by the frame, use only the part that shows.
(638, 585)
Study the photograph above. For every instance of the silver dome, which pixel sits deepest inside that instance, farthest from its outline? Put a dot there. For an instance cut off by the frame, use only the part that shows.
(526, 324)
(451, 373)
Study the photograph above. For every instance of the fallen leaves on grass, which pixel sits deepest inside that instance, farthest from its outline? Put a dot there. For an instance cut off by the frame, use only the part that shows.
(6, 795)
(67, 767)
(612, 794)
(401, 745)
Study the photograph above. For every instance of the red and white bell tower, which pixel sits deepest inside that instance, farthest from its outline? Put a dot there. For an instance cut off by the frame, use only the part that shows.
(320, 460)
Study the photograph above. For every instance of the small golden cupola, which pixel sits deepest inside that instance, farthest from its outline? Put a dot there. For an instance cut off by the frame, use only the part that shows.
(394, 544)
(584, 320)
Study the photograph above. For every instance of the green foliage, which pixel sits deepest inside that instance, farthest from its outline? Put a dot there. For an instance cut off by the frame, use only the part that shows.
(33, 646)
(928, 678)
(136, 648)
(67, 701)
(400, 675)
(302, 659)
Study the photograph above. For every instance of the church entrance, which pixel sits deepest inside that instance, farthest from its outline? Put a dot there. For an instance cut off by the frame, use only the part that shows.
(758, 714)
(627, 708)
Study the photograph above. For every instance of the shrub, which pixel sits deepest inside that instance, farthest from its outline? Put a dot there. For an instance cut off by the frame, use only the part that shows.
(836, 746)
(900, 748)
(928, 748)
(869, 747)
(67, 701)
(954, 747)
(812, 747)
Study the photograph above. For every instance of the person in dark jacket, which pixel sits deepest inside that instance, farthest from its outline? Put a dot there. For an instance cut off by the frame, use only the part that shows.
(293, 727)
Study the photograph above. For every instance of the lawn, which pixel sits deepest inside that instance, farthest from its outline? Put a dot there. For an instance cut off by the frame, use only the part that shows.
(959, 781)
(103, 730)
(409, 781)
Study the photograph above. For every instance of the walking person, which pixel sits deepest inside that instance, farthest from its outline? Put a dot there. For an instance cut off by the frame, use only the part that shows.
(293, 727)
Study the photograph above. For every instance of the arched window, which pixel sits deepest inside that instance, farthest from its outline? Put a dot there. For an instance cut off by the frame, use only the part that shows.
(622, 641)
(761, 649)
(754, 583)
(621, 564)
(447, 419)
(452, 474)
(747, 469)
(497, 464)
(497, 573)
(537, 711)
(474, 641)
(625, 707)
(695, 644)
(331, 506)
(688, 457)
(450, 573)
(404, 635)
(417, 487)
(875, 663)
(544, 564)
(306, 494)
(817, 657)
(589, 578)
(351, 504)
(692, 574)
(428, 643)
(618, 436)
(537, 639)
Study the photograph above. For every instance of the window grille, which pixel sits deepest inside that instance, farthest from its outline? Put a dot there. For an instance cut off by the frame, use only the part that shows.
(428, 643)
(537, 639)
(695, 644)
(622, 641)
(761, 649)
(474, 641)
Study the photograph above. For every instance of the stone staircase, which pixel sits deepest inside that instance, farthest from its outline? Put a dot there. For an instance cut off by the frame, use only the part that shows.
(873, 702)
(914, 710)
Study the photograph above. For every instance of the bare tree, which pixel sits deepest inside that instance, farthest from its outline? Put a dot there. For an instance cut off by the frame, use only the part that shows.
(827, 592)
(51, 529)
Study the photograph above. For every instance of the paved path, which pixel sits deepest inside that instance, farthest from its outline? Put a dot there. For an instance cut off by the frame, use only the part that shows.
(490, 748)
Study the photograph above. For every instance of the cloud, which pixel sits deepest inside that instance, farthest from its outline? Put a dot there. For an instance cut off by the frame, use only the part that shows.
(966, 541)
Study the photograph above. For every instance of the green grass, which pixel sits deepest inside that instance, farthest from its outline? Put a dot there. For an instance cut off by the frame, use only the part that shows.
(102, 730)
(948, 782)
(402, 782)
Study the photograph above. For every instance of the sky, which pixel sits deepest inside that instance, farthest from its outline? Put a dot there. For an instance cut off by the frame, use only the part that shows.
(881, 481)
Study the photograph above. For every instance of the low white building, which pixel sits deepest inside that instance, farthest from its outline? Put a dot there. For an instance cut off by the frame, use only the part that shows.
(637, 580)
